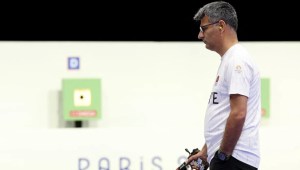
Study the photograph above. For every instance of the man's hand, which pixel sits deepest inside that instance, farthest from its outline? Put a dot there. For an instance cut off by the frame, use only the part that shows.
(200, 155)
(193, 159)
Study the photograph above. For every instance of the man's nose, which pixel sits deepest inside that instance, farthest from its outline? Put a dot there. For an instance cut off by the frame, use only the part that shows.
(200, 35)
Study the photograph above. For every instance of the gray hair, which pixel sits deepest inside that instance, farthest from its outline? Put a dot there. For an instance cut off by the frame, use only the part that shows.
(218, 10)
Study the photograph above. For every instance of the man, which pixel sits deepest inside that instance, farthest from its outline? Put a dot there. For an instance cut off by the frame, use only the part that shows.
(233, 113)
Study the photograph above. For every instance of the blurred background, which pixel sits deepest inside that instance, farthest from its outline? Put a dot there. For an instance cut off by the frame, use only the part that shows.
(149, 80)
(141, 21)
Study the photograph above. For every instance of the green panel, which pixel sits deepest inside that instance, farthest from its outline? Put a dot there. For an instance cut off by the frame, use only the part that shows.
(265, 97)
(81, 99)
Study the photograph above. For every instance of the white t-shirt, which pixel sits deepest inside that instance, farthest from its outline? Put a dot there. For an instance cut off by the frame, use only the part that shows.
(237, 74)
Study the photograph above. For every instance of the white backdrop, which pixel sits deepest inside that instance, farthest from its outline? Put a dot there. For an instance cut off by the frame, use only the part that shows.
(154, 96)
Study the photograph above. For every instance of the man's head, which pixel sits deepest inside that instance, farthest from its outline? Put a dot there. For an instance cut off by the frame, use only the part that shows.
(218, 10)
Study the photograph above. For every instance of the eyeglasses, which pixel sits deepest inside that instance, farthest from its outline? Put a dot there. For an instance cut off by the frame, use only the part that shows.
(204, 27)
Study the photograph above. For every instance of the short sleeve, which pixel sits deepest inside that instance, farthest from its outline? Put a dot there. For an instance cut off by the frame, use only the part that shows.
(238, 76)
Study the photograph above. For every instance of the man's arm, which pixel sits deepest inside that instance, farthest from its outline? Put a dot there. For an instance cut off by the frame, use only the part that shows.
(235, 122)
